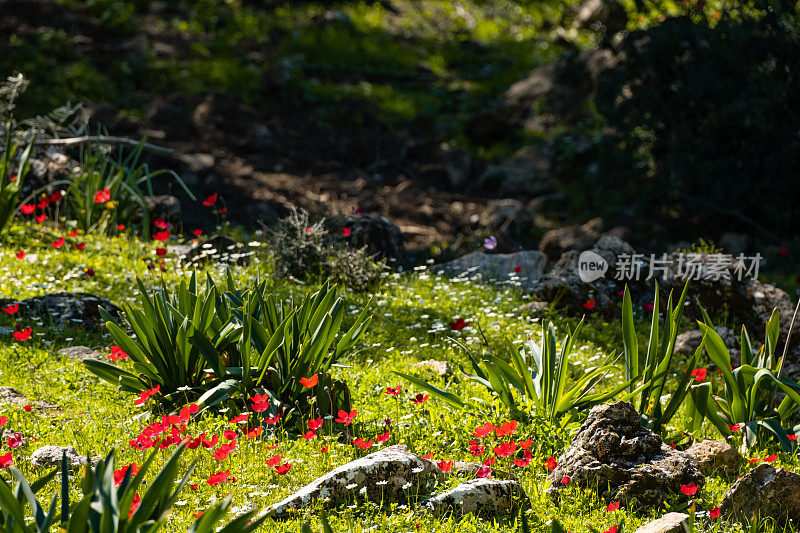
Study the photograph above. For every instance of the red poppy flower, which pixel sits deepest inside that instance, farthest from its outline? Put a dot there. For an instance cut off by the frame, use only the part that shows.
(15, 441)
(20, 255)
(565, 480)
(218, 477)
(197, 514)
(6, 460)
(27, 209)
(239, 418)
(80, 246)
(551, 463)
(484, 430)
(310, 382)
(518, 269)
(117, 353)
(506, 428)
(259, 403)
(89, 272)
(23, 335)
(315, 423)
(120, 227)
(783, 251)
(445, 466)
(283, 469)
(3, 420)
(428, 455)
(612, 506)
(74, 233)
(161, 252)
(254, 432)
(475, 449)
(58, 243)
(197, 232)
(393, 391)
(101, 197)
(791, 437)
(648, 307)
(323, 449)
(483, 471)
(612, 529)
(505, 449)
(589, 305)
(363, 444)
(222, 210)
(383, 437)
(753, 460)
(273, 420)
(43, 203)
(161, 236)
(347, 418)
(714, 513)
(419, 398)
(526, 443)
(459, 324)
(770, 458)
(27, 407)
(229, 435)
(734, 427)
(526, 459)
(11, 309)
(41, 218)
(699, 374)
(210, 200)
(145, 395)
(346, 232)
(119, 474)
(689, 490)
(490, 461)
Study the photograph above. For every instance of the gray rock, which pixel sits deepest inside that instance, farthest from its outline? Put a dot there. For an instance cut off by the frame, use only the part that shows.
(765, 491)
(440, 368)
(713, 455)
(48, 456)
(688, 341)
(614, 454)
(381, 237)
(402, 471)
(557, 241)
(480, 496)
(669, 523)
(528, 172)
(66, 309)
(80, 353)
(497, 267)
(15, 397)
(164, 207)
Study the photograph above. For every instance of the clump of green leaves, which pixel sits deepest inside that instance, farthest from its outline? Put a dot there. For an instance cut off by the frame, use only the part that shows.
(108, 505)
(309, 251)
(11, 180)
(212, 344)
(648, 376)
(534, 378)
(748, 399)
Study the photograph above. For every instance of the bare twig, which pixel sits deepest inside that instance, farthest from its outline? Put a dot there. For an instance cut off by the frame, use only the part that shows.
(788, 336)
(104, 139)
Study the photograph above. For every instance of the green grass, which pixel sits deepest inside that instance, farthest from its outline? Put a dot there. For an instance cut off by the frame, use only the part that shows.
(412, 312)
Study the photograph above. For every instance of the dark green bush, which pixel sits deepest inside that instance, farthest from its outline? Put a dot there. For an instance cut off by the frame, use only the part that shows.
(707, 112)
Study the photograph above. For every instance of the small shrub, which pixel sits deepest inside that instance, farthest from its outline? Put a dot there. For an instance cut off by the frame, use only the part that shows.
(309, 251)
